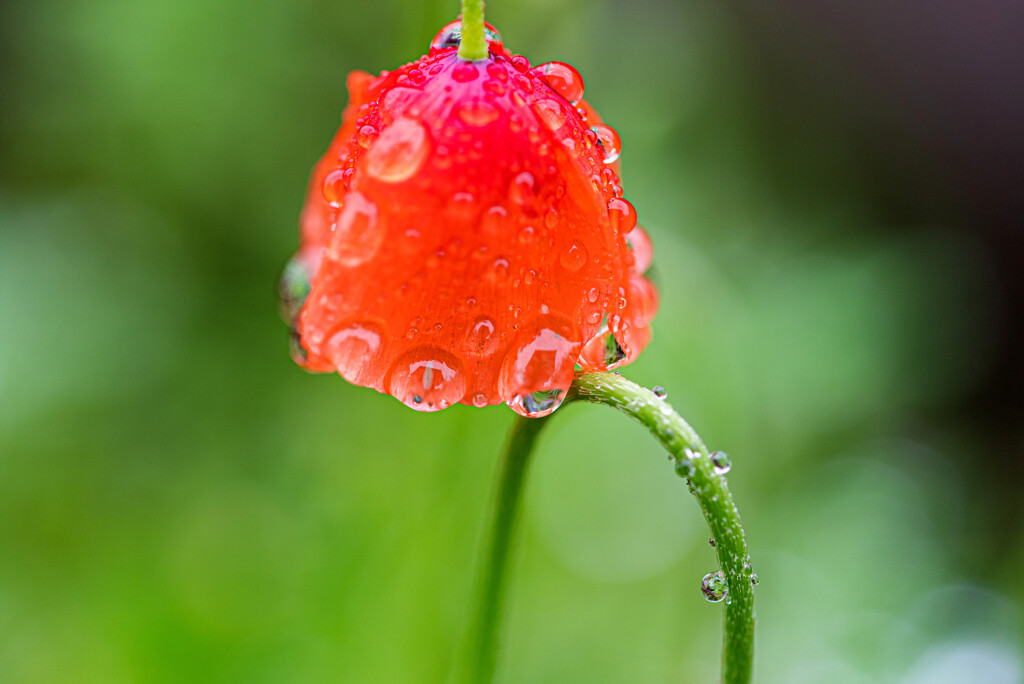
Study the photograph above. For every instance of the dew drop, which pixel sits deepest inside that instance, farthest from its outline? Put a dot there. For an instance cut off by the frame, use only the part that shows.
(622, 215)
(711, 541)
(478, 113)
(609, 141)
(464, 72)
(356, 234)
(721, 461)
(293, 288)
(603, 351)
(714, 587)
(550, 113)
(399, 153)
(563, 79)
(537, 404)
(366, 136)
(522, 189)
(333, 188)
(479, 400)
(660, 392)
(427, 379)
(575, 257)
(353, 347)
(481, 334)
(451, 36)
(754, 579)
(684, 467)
(543, 360)
(521, 64)
(593, 295)
(494, 220)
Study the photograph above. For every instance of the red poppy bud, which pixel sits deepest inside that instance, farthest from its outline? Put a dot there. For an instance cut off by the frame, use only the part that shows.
(465, 238)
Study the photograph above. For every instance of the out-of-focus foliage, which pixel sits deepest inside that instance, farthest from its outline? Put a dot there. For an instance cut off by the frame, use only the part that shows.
(179, 502)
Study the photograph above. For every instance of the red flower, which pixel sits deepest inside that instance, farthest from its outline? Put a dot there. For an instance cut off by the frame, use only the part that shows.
(465, 239)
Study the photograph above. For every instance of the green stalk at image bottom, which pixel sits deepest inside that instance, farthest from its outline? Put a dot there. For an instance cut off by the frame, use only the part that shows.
(706, 480)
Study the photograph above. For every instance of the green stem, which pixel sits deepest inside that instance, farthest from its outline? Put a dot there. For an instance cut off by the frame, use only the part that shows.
(692, 459)
(474, 40)
(481, 647)
(713, 496)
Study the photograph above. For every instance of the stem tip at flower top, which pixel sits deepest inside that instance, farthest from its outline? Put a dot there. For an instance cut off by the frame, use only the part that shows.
(465, 237)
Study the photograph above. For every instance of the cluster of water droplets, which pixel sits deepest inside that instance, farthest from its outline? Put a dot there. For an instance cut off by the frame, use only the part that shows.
(391, 144)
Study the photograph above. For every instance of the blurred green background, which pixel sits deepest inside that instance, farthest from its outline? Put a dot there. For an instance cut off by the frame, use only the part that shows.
(833, 193)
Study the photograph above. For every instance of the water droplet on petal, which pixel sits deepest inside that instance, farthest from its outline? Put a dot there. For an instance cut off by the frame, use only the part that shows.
(603, 351)
(481, 335)
(622, 214)
(449, 36)
(609, 141)
(353, 347)
(543, 360)
(522, 189)
(427, 379)
(575, 257)
(521, 64)
(334, 186)
(356, 235)
(366, 136)
(538, 404)
(721, 461)
(478, 113)
(465, 72)
(399, 153)
(563, 79)
(714, 587)
(660, 392)
(293, 287)
(550, 113)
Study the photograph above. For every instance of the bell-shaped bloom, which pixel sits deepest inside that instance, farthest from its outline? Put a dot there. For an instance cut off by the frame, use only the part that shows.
(465, 238)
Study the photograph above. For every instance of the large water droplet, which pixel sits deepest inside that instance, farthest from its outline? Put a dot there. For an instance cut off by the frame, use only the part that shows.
(356, 235)
(714, 587)
(609, 141)
(538, 404)
(478, 112)
(550, 113)
(399, 153)
(563, 79)
(464, 72)
(720, 460)
(427, 379)
(575, 257)
(353, 347)
(451, 36)
(543, 360)
(660, 392)
(622, 215)
(293, 288)
(603, 351)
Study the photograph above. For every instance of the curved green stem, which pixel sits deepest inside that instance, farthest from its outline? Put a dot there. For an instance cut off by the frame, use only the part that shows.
(693, 460)
(481, 644)
(474, 39)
